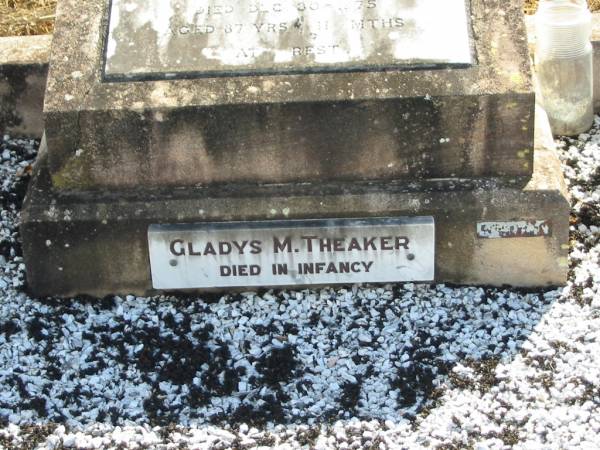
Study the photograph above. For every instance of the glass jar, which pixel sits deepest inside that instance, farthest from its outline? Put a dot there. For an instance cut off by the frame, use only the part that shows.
(564, 68)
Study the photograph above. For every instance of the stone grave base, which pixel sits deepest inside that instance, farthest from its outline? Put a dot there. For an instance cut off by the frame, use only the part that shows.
(96, 243)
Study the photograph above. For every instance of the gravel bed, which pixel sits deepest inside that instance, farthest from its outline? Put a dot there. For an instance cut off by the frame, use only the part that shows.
(358, 367)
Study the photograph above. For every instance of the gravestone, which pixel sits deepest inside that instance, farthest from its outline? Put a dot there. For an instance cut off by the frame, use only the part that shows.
(213, 144)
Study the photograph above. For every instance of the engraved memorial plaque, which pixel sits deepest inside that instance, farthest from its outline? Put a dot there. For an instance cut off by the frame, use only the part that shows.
(287, 253)
(160, 39)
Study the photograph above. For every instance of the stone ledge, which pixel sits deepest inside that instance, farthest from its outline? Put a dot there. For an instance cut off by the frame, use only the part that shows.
(24, 50)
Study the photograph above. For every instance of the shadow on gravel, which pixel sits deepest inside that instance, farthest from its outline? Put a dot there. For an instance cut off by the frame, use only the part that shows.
(259, 360)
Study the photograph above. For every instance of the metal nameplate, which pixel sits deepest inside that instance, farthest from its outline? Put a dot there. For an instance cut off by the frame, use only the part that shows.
(514, 229)
(159, 39)
(288, 253)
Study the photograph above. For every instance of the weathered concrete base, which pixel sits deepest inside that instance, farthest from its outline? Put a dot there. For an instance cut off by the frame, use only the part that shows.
(97, 244)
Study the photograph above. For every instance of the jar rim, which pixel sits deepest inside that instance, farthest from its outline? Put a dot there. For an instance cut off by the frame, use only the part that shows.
(572, 14)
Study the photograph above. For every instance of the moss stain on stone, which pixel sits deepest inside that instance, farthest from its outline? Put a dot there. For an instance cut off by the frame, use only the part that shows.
(74, 174)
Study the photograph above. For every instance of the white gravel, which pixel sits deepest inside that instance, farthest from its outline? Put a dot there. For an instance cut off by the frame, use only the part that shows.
(400, 366)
